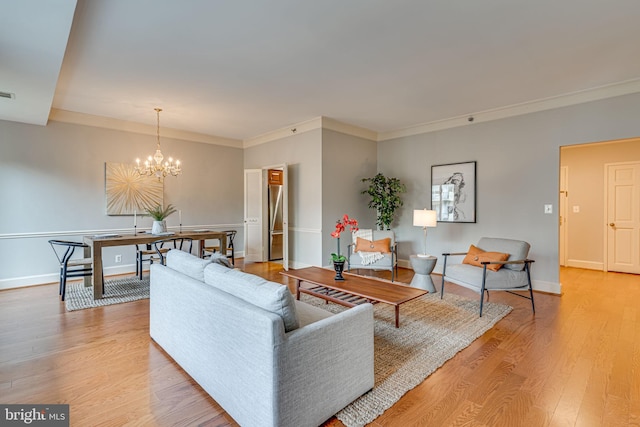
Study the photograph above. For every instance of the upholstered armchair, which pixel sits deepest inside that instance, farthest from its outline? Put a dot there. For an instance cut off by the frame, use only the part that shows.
(379, 252)
(493, 265)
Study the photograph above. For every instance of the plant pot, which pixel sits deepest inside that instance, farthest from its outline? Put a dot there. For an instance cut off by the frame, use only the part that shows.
(159, 227)
(338, 266)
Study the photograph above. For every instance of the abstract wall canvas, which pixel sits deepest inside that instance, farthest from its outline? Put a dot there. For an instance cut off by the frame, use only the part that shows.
(128, 192)
(453, 192)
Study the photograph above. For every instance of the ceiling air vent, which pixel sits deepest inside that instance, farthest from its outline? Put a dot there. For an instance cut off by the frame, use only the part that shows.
(7, 95)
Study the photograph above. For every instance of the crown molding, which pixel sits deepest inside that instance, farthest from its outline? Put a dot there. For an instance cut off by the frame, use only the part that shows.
(332, 124)
(573, 98)
(294, 129)
(309, 125)
(65, 116)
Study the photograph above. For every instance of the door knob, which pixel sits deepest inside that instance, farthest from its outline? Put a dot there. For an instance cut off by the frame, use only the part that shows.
(612, 224)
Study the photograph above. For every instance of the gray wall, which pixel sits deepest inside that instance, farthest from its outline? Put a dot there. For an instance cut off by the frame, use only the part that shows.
(518, 172)
(346, 161)
(325, 168)
(302, 153)
(52, 186)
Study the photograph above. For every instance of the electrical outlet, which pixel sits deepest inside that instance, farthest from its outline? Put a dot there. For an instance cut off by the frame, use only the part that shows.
(118, 258)
(548, 209)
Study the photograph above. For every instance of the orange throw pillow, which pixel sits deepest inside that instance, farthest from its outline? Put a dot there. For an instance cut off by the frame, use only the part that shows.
(476, 256)
(382, 245)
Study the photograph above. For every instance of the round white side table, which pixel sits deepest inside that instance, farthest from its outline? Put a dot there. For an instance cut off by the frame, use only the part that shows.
(423, 266)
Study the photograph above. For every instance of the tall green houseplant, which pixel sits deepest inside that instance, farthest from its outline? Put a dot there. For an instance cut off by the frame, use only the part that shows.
(385, 198)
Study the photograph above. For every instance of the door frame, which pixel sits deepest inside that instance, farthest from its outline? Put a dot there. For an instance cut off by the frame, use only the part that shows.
(564, 214)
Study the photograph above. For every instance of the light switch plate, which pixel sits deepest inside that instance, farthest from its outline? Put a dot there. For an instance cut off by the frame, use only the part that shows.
(548, 209)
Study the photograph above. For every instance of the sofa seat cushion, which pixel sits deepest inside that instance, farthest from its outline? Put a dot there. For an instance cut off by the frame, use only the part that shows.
(187, 264)
(470, 276)
(308, 314)
(255, 290)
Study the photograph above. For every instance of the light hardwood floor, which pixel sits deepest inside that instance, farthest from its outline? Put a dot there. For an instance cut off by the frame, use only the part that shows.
(576, 362)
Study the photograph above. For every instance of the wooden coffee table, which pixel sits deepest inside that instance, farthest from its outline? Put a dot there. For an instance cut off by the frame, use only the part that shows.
(353, 290)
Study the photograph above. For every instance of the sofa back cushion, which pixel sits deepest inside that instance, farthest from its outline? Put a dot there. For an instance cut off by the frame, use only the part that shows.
(255, 290)
(517, 249)
(187, 264)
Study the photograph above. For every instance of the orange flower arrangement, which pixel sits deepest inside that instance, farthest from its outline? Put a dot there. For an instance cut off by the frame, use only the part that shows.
(341, 225)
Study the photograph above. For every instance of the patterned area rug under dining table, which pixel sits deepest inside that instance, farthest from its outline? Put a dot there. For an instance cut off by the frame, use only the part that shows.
(431, 332)
(117, 291)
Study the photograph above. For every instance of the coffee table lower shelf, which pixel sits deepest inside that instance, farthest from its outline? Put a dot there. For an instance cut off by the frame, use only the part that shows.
(339, 297)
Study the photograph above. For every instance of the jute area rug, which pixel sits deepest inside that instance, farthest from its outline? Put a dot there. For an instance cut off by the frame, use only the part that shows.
(116, 291)
(431, 332)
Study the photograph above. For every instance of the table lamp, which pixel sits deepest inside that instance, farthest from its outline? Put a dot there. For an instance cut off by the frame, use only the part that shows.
(424, 218)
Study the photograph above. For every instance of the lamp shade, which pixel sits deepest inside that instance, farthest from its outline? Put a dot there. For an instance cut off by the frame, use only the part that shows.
(424, 218)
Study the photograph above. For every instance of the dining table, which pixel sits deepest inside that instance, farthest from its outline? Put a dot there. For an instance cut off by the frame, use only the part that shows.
(98, 241)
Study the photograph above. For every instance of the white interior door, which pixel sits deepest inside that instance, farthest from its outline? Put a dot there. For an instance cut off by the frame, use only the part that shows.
(254, 200)
(623, 217)
(564, 194)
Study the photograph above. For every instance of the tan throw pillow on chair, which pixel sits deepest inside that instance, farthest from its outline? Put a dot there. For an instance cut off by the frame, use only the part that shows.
(382, 245)
(476, 256)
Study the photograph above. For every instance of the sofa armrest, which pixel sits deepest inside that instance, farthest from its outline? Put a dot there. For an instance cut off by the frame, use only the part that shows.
(454, 253)
(328, 361)
(515, 261)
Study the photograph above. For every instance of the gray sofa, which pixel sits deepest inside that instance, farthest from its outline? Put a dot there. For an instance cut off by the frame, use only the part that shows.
(266, 358)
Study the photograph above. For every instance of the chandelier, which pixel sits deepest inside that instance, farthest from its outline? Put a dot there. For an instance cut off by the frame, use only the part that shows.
(153, 165)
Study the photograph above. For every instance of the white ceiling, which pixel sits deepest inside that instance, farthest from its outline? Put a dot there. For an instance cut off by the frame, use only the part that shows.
(239, 69)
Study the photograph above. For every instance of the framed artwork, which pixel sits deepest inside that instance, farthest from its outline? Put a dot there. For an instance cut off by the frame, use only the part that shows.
(128, 192)
(453, 192)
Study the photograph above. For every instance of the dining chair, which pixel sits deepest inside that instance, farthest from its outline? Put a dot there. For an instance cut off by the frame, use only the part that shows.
(231, 234)
(180, 243)
(70, 267)
(145, 253)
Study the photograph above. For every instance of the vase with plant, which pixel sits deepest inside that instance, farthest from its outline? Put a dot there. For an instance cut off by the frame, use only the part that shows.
(159, 215)
(385, 198)
(337, 258)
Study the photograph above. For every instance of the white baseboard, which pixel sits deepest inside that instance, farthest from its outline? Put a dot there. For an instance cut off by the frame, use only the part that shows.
(42, 279)
(296, 265)
(588, 265)
(548, 287)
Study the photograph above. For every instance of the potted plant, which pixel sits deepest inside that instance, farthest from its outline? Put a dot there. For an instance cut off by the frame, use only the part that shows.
(337, 258)
(385, 198)
(159, 215)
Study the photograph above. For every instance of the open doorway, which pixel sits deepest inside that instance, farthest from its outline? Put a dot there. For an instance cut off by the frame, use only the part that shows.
(266, 215)
(594, 201)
